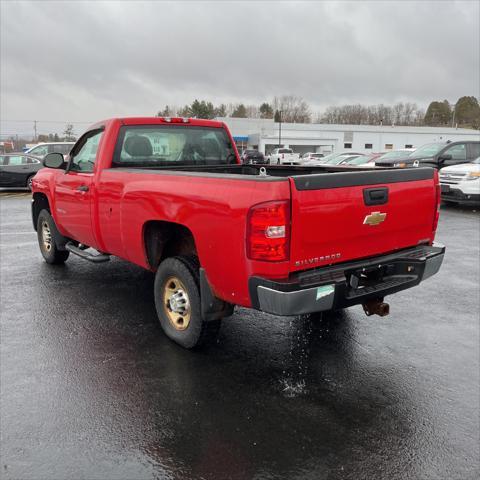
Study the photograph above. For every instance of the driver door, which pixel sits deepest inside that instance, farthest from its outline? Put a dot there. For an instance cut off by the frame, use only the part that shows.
(73, 190)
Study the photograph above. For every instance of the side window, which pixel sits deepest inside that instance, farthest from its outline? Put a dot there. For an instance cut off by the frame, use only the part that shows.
(2, 160)
(83, 158)
(474, 151)
(41, 150)
(14, 160)
(458, 152)
(62, 148)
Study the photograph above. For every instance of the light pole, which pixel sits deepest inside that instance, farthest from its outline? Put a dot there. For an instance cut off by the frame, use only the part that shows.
(279, 129)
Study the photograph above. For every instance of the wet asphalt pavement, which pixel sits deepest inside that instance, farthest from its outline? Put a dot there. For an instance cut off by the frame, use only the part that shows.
(92, 389)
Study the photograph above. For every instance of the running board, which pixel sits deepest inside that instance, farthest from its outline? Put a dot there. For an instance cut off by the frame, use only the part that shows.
(101, 257)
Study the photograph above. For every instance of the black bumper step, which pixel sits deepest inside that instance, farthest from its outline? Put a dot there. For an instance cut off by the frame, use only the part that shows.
(380, 286)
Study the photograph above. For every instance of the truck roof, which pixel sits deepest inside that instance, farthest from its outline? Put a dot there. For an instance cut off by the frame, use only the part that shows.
(197, 122)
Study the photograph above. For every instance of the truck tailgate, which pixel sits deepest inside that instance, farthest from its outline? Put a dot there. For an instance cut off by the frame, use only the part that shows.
(337, 217)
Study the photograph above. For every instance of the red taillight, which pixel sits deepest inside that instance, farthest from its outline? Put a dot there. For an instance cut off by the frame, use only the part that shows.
(438, 201)
(268, 231)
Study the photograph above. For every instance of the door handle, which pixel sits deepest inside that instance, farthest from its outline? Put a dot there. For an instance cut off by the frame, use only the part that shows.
(82, 188)
(375, 196)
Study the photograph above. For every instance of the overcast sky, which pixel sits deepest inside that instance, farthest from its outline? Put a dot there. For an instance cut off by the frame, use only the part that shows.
(85, 61)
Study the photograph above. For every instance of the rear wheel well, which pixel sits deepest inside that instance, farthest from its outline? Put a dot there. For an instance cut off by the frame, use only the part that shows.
(40, 202)
(166, 239)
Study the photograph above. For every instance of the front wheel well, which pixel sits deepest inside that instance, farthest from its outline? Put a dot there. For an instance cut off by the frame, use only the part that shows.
(166, 239)
(39, 203)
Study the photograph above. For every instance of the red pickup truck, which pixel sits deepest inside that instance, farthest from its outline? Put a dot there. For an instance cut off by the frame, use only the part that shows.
(171, 195)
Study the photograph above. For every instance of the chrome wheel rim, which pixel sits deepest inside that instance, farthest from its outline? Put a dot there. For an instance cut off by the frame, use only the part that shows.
(46, 236)
(176, 303)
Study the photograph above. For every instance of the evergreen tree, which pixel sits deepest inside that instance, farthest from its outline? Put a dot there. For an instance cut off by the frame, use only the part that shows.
(240, 111)
(438, 113)
(467, 112)
(202, 109)
(266, 110)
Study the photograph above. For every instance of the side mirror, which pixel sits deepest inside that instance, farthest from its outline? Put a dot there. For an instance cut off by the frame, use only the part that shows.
(54, 160)
(444, 157)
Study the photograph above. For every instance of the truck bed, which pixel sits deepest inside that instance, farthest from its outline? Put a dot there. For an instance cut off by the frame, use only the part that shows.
(335, 214)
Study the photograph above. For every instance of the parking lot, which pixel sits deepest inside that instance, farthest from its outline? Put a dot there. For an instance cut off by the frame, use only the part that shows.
(91, 388)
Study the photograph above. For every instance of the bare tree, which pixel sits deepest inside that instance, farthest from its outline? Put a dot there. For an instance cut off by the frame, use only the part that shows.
(294, 109)
(252, 111)
(69, 134)
(398, 114)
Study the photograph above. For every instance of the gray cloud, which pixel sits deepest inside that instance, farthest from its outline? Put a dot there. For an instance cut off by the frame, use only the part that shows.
(90, 60)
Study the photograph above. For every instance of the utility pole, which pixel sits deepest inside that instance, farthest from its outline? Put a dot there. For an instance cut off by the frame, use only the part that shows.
(453, 117)
(35, 130)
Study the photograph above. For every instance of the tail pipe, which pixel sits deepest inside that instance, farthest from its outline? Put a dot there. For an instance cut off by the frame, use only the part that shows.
(376, 307)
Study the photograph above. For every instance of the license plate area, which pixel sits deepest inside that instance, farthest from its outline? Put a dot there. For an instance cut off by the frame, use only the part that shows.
(444, 188)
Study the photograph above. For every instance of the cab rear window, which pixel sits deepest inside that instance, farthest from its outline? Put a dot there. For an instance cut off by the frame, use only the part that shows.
(171, 145)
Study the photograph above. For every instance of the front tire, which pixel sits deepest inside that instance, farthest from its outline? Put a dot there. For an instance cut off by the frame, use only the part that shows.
(46, 241)
(178, 305)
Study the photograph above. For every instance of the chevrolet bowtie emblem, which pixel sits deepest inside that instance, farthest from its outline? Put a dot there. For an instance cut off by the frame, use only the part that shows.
(374, 218)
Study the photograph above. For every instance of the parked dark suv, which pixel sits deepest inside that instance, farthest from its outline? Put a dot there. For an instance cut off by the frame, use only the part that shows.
(437, 155)
(252, 156)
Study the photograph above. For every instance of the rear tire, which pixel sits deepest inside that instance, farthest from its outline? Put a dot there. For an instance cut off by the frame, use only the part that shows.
(178, 304)
(46, 240)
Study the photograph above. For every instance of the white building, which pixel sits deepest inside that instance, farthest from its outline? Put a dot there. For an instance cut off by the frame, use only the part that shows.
(314, 137)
